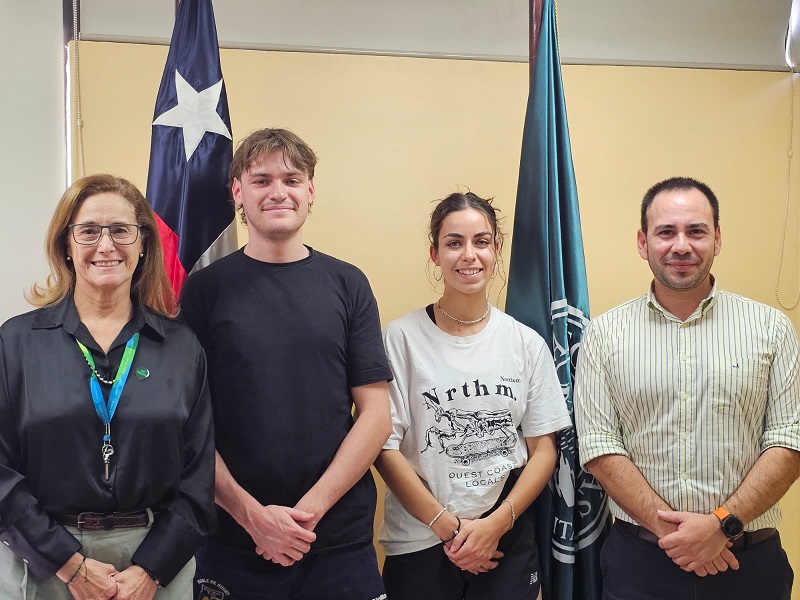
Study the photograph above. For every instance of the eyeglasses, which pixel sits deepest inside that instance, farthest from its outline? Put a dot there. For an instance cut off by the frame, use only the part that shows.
(88, 234)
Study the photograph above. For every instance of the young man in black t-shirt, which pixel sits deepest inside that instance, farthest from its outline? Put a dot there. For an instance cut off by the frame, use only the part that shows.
(293, 343)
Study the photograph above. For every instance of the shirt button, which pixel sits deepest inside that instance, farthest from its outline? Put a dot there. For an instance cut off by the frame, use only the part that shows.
(685, 358)
(685, 476)
(684, 436)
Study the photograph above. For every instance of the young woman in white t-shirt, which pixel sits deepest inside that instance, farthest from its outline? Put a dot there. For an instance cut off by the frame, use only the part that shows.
(476, 403)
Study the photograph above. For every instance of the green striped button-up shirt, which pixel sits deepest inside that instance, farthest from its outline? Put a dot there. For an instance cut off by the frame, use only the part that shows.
(693, 403)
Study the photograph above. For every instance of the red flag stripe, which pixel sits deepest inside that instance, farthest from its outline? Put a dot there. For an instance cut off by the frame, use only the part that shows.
(172, 264)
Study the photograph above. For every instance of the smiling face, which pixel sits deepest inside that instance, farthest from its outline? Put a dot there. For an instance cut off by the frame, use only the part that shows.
(104, 267)
(275, 197)
(681, 241)
(466, 251)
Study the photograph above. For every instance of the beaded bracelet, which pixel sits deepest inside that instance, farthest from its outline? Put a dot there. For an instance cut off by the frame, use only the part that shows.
(456, 531)
(513, 514)
(75, 572)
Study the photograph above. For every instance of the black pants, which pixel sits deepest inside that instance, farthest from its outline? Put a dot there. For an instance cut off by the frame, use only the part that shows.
(343, 573)
(637, 570)
(430, 575)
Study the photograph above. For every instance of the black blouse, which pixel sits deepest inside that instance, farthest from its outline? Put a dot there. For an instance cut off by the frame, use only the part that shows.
(51, 436)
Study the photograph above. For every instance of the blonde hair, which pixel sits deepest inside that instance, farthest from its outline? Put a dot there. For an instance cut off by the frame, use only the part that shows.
(150, 285)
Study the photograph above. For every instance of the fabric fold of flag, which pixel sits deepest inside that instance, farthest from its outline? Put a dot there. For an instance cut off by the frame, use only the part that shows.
(547, 291)
(191, 148)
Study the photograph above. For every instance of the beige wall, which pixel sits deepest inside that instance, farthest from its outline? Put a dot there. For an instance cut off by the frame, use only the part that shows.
(393, 134)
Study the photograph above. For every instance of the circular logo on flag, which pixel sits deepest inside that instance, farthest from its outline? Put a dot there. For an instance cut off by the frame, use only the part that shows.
(580, 506)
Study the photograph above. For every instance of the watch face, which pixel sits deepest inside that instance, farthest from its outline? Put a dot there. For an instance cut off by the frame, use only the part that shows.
(732, 526)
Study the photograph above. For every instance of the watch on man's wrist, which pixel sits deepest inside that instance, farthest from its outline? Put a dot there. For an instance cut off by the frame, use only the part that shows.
(731, 525)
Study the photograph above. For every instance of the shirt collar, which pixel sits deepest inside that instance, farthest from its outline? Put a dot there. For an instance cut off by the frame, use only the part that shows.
(64, 314)
(705, 305)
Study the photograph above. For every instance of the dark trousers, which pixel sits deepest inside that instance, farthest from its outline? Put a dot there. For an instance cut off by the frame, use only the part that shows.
(430, 575)
(344, 573)
(637, 570)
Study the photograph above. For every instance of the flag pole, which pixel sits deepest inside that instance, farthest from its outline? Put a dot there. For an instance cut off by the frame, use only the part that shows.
(547, 290)
(535, 24)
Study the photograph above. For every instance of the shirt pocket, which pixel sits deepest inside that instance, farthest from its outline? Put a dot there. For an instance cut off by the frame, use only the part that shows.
(738, 385)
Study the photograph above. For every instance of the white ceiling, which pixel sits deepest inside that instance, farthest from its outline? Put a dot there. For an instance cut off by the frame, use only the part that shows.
(735, 34)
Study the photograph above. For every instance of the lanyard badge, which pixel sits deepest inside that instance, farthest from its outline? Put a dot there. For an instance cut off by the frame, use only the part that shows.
(105, 410)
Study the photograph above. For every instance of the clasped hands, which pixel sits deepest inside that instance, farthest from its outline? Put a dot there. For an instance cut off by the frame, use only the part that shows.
(696, 543)
(282, 534)
(474, 548)
(101, 581)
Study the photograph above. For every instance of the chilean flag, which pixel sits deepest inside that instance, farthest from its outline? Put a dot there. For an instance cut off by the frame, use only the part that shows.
(191, 149)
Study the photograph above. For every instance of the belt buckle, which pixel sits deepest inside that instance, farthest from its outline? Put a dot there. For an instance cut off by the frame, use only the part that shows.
(82, 519)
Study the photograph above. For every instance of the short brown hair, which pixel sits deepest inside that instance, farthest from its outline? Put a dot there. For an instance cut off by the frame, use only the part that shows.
(149, 286)
(266, 141)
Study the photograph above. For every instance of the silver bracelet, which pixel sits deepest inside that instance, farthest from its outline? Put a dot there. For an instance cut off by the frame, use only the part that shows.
(439, 514)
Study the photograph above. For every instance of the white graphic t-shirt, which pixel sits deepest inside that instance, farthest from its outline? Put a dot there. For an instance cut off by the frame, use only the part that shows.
(461, 408)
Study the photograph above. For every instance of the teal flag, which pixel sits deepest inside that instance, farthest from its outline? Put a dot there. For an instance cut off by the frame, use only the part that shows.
(547, 291)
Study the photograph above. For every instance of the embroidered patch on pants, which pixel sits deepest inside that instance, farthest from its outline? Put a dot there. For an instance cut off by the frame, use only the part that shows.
(211, 590)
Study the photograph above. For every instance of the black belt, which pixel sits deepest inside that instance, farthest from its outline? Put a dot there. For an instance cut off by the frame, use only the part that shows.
(107, 521)
(750, 538)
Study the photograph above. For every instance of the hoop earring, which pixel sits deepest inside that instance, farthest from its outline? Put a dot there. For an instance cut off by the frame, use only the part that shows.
(439, 278)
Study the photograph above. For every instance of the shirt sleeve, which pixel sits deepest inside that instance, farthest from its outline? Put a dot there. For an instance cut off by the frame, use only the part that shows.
(782, 418)
(596, 419)
(191, 310)
(546, 410)
(366, 357)
(398, 388)
(178, 531)
(26, 528)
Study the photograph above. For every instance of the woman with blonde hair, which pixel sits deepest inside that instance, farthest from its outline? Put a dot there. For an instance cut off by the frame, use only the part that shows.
(106, 452)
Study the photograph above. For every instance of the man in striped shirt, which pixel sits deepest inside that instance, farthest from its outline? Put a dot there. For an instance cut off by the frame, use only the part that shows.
(687, 405)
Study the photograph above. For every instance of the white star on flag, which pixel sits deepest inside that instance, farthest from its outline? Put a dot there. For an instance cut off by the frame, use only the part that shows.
(195, 113)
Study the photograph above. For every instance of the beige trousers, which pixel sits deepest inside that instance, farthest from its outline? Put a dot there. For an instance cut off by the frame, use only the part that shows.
(115, 547)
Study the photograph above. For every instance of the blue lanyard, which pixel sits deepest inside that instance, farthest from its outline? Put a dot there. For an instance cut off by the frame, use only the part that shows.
(105, 410)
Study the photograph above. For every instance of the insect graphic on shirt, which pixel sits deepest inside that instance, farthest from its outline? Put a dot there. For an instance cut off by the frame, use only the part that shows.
(471, 428)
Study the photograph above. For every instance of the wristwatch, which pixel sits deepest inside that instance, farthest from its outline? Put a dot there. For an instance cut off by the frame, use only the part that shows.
(731, 525)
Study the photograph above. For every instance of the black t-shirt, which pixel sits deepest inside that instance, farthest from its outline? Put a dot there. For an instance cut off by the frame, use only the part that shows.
(285, 343)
